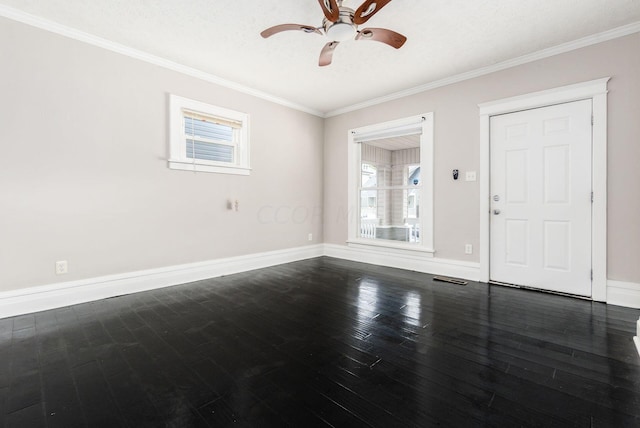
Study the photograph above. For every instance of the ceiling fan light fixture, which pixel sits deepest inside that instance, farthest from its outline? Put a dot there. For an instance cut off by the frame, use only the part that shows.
(341, 31)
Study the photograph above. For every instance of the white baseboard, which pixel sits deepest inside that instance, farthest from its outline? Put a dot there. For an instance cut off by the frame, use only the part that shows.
(622, 293)
(35, 299)
(626, 294)
(420, 263)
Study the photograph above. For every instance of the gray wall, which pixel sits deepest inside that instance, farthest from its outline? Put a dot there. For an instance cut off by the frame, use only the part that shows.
(457, 146)
(83, 174)
(84, 177)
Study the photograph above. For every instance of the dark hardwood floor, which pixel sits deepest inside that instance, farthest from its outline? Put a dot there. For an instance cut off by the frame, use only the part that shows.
(323, 342)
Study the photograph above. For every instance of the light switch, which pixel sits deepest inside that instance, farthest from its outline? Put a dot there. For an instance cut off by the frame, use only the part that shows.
(470, 176)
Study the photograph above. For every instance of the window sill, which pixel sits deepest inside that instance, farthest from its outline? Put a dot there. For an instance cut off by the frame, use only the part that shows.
(415, 250)
(189, 166)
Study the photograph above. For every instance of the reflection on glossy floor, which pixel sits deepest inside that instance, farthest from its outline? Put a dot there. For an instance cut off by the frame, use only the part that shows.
(323, 342)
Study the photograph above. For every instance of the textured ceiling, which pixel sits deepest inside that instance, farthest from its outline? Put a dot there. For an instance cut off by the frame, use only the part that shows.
(445, 38)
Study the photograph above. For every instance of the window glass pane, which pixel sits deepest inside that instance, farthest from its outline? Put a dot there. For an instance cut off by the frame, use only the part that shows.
(369, 175)
(392, 214)
(209, 151)
(413, 204)
(413, 174)
(209, 130)
(369, 204)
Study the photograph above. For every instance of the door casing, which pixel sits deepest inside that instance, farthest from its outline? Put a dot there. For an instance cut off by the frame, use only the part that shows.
(595, 90)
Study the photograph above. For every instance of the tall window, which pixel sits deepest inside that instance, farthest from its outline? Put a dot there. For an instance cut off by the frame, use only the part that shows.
(391, 184)
(208, 138)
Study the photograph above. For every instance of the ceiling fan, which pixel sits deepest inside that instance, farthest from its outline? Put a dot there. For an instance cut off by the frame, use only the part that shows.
(340, 23)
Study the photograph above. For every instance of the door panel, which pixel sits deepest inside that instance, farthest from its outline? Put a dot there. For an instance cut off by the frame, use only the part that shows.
(541, 198)
(557, 245)
(517, 176)
(517, 241)
(557, 177)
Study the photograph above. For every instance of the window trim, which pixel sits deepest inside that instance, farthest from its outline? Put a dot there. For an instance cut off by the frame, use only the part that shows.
(406, 126)
(177, 141)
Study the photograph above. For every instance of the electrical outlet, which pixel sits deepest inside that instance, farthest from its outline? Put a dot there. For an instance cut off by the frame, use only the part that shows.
(470, 176)
(61, 267)
(468, 249)
(310, 237)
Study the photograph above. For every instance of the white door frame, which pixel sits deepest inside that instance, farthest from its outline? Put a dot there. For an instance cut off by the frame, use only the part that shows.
(595, 90)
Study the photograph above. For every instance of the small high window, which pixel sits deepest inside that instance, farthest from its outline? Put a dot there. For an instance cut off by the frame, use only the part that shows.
(208, 138)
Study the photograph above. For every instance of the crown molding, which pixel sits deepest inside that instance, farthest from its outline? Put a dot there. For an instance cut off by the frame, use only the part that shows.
(63, 30)
(535, 56)
(54, 27)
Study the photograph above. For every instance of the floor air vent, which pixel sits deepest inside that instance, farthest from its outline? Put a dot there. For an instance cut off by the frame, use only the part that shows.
(450, 280)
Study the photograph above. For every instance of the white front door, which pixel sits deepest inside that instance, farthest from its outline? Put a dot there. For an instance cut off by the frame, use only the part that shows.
(541, 198)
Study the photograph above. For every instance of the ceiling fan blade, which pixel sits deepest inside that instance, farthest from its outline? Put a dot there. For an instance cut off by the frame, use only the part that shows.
(327, 53)
(367, 10)
(330, 9)
(286, 27)
(383, 35)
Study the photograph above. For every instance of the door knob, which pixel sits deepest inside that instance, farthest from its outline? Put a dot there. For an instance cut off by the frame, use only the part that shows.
(496, 212)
